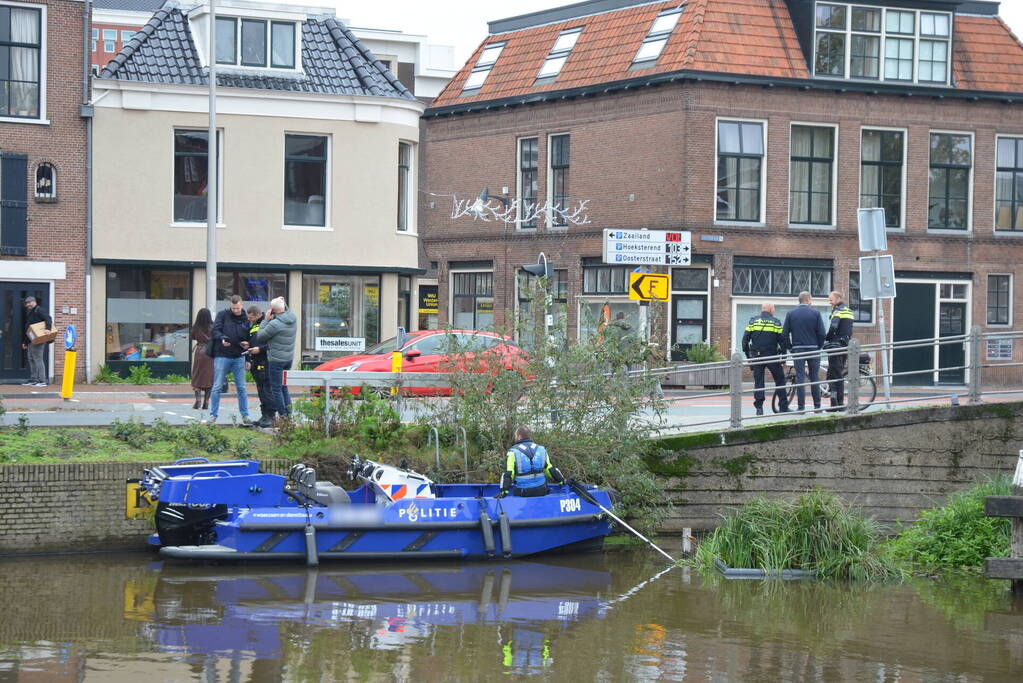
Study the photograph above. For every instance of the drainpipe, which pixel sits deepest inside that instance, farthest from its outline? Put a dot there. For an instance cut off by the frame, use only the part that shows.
(86, 112)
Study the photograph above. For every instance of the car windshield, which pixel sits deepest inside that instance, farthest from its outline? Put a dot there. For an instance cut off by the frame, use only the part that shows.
(386, 346)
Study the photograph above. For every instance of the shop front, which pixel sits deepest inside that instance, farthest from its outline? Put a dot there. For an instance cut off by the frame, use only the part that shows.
(340, 315)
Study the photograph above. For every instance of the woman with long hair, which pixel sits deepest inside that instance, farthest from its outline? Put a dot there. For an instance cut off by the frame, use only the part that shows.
(202, 365)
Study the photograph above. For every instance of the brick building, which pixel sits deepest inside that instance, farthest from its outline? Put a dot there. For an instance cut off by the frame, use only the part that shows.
(761, 126)
(42, 173)
(114, 24)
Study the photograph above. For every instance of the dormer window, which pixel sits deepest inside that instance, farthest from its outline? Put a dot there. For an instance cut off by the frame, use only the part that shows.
(483, 66)
(256, 43)
(885, 44)
(657, 38)
(558, 55)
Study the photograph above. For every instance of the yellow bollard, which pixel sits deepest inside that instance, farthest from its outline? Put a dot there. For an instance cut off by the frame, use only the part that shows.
(67, 386)
(395, 367)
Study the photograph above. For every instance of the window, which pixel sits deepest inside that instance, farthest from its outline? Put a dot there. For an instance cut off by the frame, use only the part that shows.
(261, 43)
(1009, 185)
(559, 155)
(472, 301)
(528, 289)
(528, 160)
(657, 38)
(404, 186)
(898, 59)
(948, 199)
(255, 289)
(813, 154)
(780, 277)
(404, 301)
(191, 166)
(863, 310)
(148, 314)
(20, 62)
(95, 33)
(127, 36)
(46, 182)
(109, 46)
(346, 306)
(740, 161)
(488, 57)
(933, 60)
(305, 180)
(13, 204)
(599, 278)
(558, 55)
(881, 154)
(999, 290)
(109, 34)
(93, 45)
(429, 307)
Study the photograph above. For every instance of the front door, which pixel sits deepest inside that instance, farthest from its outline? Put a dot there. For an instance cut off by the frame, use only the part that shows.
(951, 323)
(14, 359)
(914, 319)
(689, 323)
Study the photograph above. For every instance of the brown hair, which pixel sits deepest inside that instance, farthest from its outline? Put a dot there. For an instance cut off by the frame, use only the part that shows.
(235, 299)
(523, 433)
(254, 310)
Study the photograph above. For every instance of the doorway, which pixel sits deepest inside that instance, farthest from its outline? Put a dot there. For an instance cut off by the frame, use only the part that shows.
(14, 359)
(924, 310)
(689, 323)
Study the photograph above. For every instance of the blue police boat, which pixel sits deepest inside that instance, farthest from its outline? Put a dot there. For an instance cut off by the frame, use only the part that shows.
(233, 511)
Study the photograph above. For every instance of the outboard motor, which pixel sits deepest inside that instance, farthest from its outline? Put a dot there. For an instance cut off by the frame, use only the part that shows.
(302, 480)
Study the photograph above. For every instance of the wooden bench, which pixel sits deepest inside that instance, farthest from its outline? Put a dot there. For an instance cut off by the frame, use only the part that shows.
(1009, 506)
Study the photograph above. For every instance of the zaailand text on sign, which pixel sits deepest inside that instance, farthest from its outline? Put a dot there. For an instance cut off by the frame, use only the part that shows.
(648, 247)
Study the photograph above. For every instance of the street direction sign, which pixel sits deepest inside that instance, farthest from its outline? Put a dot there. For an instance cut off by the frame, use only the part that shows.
(877, 277)
(648, 247)
(648, 287)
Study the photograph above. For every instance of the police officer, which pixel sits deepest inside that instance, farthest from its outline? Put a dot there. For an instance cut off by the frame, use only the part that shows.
(839, 333)
(257, 366)
(762, 339)
(528, 467)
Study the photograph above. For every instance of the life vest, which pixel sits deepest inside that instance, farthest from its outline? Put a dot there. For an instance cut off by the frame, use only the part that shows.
(530, 463)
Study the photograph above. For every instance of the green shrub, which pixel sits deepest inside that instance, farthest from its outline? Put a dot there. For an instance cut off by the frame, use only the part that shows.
(134, 433)
(21, 429)
(108, 375)
(957, 535)
(140, 374)
(703, 353)
(377, 424)
(818, 532)
(175, 379)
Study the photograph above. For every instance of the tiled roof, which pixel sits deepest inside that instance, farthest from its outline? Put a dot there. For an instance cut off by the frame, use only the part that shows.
(334, 61)
(128, 5)
(745, 38)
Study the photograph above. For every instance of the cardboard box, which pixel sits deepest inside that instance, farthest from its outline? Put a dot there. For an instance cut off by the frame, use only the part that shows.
(38, 334)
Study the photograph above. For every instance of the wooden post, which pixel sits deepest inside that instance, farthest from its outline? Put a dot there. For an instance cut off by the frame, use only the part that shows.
(1009, 506)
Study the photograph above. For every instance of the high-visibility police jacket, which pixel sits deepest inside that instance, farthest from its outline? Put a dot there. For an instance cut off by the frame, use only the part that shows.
(528, 464)
(258, 360)
(763, 336)
(841, 328)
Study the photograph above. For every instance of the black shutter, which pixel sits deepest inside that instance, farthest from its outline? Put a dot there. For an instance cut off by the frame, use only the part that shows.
(14, 204)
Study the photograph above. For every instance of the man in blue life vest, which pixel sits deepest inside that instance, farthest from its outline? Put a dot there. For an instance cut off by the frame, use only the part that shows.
(528, 467)
(840, 332)
(763, 339)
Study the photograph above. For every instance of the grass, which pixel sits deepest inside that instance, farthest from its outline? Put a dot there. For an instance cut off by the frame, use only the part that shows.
(818, 532)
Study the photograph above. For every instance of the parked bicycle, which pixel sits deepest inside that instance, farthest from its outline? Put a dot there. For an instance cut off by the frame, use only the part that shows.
(868, 387)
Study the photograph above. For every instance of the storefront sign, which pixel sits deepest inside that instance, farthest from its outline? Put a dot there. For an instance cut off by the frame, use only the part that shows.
(648, 247)
(484, 306)
(372, 294)
(340, 343)
(428, 300)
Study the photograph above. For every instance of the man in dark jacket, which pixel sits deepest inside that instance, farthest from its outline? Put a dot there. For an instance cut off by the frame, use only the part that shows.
(803, 332)
(763, 339)
(36, 352)
(257, 365)
(279, 332)
(230, 338)
(840, 332)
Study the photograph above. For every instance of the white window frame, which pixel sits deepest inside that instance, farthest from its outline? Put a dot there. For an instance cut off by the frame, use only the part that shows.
(737, 325)
(661, 37)
(549, 184)
(110, 34)
(518, 180)
(938, 299)
(969, 198)
(327, 184)
(683, 292)
(451, 292)
(902, 186)
(873, 302)
(583, 299)
(410, 187)
(43, 64)
(237, 63)
(883, 35)
(556, 54)
(1011, 234)
(220, 171)
(763, 174)
(129, 34)
(482, 67)
(834, 179)
(52, 194)
(987, 290)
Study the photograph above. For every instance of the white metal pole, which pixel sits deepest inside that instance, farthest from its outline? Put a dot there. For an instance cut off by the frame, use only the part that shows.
(885, 378)
(211, 169)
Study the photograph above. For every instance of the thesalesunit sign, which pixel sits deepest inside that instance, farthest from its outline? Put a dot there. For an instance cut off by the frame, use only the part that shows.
(340, 343)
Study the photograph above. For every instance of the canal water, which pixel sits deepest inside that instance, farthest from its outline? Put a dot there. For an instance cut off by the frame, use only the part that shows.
(597, 617)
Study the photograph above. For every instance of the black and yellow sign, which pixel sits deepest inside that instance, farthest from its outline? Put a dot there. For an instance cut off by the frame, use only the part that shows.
(137, 503)
(648, 287)
(428, 300)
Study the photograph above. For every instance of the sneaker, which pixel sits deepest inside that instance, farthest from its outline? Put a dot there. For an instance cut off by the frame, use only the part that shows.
(265, 422)
(28, 384)
(760, 411)
(786, 409)
(41, 384)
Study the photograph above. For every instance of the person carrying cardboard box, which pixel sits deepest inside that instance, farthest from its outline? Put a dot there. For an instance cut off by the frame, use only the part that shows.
(38, 334)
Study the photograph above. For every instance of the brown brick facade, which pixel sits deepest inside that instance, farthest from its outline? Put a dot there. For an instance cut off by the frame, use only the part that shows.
(57, 230)
(646, 158)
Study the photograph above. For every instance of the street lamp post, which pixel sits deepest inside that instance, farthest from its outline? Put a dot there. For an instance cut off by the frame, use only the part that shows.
(211, 169)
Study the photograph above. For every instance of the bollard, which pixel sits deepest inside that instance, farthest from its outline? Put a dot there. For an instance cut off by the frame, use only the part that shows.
(735, 381)
(852, 376)
(974, 364)
(395, 367)
(67, 385)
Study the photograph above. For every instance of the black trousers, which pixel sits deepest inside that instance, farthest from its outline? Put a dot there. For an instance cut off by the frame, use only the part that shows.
(836, 367)
(266, 401)
(779, 384)
(532, 492)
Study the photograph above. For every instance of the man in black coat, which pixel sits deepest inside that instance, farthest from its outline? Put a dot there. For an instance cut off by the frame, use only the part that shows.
(230, 329)
(804, 332)
(36, 352)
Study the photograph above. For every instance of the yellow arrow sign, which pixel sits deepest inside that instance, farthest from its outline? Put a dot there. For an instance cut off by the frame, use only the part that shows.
(648, 287)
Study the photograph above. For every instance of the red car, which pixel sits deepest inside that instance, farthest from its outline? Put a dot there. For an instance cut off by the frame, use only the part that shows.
(425, 351)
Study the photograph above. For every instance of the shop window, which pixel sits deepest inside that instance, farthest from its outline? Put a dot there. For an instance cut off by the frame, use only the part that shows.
(305, 180)
(472, 301)
(596, 315)
(346, 306)
(148, 314)
(429, 307)
(255, 289)
(46, 183)
(191, 166)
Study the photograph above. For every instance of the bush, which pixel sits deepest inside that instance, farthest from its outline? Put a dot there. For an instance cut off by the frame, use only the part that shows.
(108, 375)
(703, 353)
(957, 535)
(140, 374)
(175, 379)
(818, 533)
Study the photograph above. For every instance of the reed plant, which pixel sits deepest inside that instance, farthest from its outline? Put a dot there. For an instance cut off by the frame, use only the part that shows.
(818, 532)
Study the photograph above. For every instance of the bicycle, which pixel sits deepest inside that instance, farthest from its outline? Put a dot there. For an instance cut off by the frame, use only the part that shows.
(868, 387)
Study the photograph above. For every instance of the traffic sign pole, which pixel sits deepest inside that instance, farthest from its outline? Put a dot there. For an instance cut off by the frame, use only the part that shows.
(886, 380)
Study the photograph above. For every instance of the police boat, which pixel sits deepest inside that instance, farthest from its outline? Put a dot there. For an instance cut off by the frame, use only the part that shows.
(233, 511)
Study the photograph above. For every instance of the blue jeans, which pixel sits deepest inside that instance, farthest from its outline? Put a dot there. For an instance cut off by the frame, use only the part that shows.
(222, 366)
(814, 363)
(278, 390)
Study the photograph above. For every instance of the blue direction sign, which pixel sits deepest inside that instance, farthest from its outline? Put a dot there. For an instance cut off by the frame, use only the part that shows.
(648, 247)
(69, 337)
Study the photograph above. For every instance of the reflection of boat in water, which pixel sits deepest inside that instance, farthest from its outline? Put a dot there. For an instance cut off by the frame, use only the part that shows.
(241, 612)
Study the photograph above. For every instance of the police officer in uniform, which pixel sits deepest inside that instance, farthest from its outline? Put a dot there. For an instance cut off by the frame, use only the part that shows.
(528, 467)
(763, 338)
(257, 365)
(839, 333)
